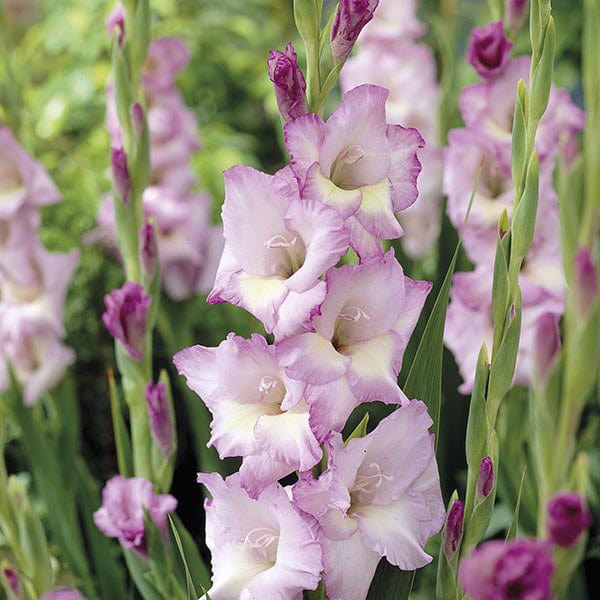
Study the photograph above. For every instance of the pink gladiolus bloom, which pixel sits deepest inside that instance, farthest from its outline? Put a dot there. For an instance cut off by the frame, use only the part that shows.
(166, 57)
(488, 108)
(276, 248)
(125, 317)
(289, 83)
(489, 50)
(519, 570)
(35, 353)
(260, 548)
(568, 518)
(259, 414)
(351, 17)
(63, 594)
(454, 529)
(393, 22)
(23, 181)
(355, 352)
(408, 70)
(122, 512)
(380, 497)
(367, 170)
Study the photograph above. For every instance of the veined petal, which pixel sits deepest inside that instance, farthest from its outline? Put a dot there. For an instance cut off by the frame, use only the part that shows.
(349, 566)
(376, 213)
(303, 138)
(358, 122)
(255, 204)
(311, 358)
(295, 312)
(318, 187)
(259, 471)
(287, 438)
(364, 243)
(375, 367)
(416, 293)
(405, 168)
(330, 406)
(197, 365)
(397, 531)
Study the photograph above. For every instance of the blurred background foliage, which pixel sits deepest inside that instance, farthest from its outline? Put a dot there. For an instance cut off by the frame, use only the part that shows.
(54, 68)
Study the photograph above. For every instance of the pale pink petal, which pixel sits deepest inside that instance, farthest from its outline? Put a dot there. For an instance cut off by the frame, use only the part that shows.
(405, 167)
(303, 139)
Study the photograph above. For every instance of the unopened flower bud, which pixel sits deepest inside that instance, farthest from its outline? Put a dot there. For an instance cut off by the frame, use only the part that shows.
(63, 594)
(120, 173)
(12, 581)
(515, 13)
(489, 50)
(351, 17)
(289, 83)
(485, 479)
(161, 421)
(126, 315)
(116, 21)
(453, 530)
(568, 518)
(136, 112)
(148, 249)
(585, 283)
(546, 344)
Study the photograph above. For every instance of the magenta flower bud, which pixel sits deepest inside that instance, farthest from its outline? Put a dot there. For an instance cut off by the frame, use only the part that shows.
(568, 518)
(148, 249)
(520, 569)
(120, 173)
(121, 515)
(159, 412)
(116, 20)
(489, 50)
(485, 479)
(546, 344)
(136, 112)
(126, 315)
(585, 283)
(289, 83)
(454, 529)
(515, 13)
(12, 581)
(351, 17)
(63, 594)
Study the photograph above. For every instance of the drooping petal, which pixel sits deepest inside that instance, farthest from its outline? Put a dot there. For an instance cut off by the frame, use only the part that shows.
(405, 165)
(303, 139)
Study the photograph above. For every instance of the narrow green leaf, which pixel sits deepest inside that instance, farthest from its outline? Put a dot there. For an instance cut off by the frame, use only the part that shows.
(360, 430)
(122, 441)
(193, 565)
(390, 582)
(511, 534)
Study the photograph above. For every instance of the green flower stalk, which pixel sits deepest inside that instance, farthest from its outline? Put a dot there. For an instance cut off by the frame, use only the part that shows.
(514, 240)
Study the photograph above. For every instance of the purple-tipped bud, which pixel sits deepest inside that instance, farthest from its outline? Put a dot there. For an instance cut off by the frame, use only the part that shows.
(126, 315)
(489, 50)
(116, 21)
(585, 283)
(148, 249)
(546, 344)
(351, 17)
(136, 112)
(453, 530)
(289, 83)
(12, 581)
(515, 13)
(120, 173)
(568, 518)
(485, 479)
(159, 412)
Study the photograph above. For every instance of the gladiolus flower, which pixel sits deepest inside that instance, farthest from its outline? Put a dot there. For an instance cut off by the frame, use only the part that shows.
(369, 504)
(122, 512)
(351, 17)
(260, 548)
(63, 594)
(519, 570)
(568, 518)
(489, 50)
(454, 529)
(365, 169)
